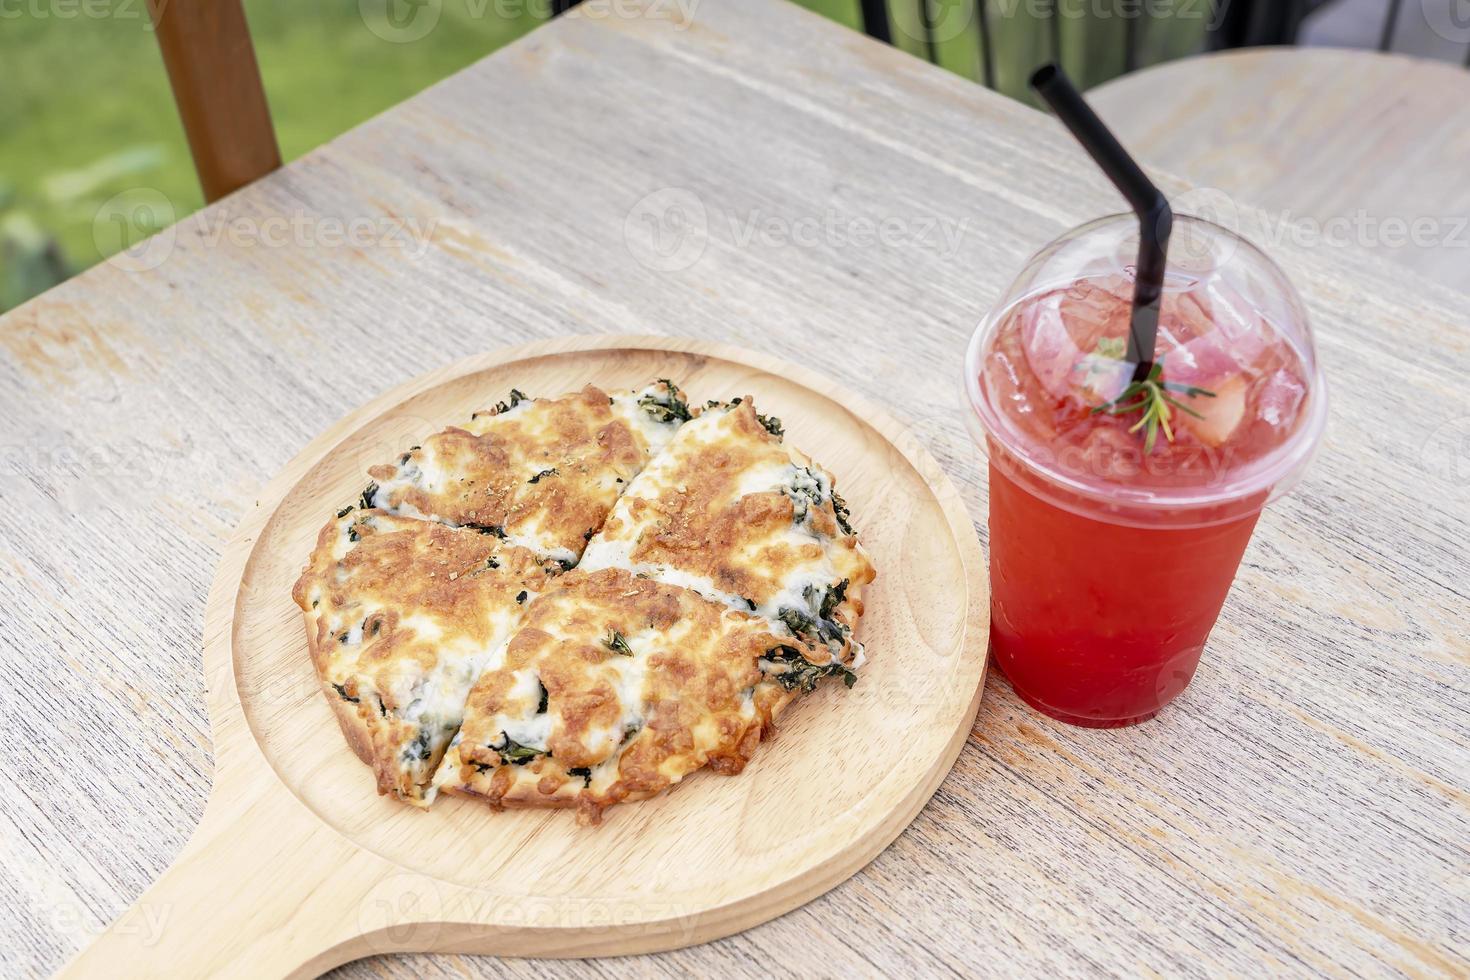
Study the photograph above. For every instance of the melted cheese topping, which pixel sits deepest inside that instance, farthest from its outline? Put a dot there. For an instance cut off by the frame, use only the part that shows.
(733, 513)
(402, 616)
(722, 582)
(613, 688)
(541, 473)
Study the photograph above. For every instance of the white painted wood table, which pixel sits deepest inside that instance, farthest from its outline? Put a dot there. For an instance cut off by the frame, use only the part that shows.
(1356, 147)
(1302, 808)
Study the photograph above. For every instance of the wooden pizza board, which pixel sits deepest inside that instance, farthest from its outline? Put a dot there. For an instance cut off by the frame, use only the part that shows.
(298, 865)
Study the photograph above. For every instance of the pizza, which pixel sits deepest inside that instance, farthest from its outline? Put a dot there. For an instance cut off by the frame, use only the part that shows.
(401, 616)
(537, 472)
(732, 512)
(579, 601)
(614, 688)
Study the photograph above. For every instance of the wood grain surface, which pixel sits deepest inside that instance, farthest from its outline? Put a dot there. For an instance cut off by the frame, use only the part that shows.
(323, 870)
(1302, 808)
(1356, 147)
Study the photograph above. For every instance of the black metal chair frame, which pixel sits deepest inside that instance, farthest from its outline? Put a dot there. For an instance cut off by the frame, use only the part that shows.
(1236, 24)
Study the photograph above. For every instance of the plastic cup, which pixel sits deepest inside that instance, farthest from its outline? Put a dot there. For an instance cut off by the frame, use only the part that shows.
(1110, 560)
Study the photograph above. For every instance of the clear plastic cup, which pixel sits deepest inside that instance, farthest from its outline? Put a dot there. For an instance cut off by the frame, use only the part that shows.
(1111, 552)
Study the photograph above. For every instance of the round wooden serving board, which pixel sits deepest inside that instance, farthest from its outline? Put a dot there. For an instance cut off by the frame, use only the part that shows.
(298, 864)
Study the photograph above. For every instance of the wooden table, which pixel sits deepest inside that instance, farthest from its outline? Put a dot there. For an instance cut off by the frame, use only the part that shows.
(1302, 808)
(1358, 148)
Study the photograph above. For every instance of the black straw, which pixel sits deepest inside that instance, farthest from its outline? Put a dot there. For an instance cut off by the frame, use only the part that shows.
(1155, 217)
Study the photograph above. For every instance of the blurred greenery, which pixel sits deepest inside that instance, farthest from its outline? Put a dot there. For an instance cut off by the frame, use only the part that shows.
(87, 113)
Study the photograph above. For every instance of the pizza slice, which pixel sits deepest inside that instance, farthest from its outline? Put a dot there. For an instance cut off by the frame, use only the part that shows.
(537, 472)
(729, 510)
(616, 687)
(401, 618)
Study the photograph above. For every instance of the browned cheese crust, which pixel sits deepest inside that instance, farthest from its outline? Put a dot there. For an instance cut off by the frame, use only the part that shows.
(541, 472)
(753, 519)
(614, 688)
(400, 615)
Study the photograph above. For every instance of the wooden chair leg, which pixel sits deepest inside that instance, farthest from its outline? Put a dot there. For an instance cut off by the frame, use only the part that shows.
(216, 82)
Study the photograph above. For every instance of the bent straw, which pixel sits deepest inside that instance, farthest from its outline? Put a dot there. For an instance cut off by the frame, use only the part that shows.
(1155, 217)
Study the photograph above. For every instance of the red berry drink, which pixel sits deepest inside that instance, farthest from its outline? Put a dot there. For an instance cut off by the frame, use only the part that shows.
(1120, 508)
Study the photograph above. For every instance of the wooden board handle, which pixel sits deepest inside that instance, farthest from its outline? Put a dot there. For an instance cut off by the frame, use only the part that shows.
(247, 896)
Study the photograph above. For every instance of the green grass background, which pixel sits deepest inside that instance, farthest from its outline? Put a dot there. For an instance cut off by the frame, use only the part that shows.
(86, 111)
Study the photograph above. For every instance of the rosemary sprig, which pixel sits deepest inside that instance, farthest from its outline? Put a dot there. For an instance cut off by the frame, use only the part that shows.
(1152, 397)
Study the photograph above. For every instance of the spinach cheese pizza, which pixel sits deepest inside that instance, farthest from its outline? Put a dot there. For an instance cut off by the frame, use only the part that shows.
(616, 687)
(538, 472)
(579, 601)
(401, 616)
(731, 511)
